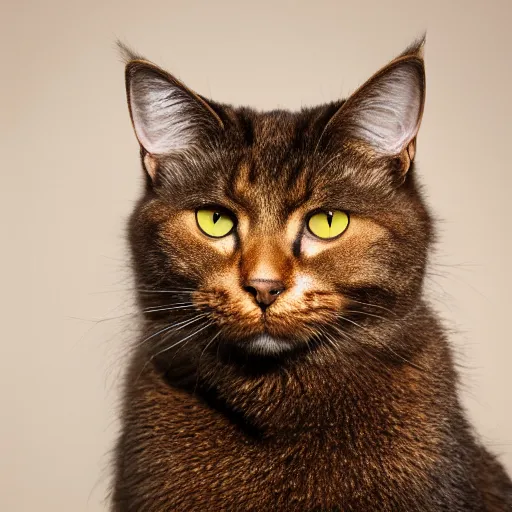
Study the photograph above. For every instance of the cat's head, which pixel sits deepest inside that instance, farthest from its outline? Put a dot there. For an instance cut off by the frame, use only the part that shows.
(276, 231)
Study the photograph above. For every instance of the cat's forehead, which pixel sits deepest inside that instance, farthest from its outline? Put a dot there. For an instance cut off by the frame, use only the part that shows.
(268, 164)
(260, 192)
(275, 172)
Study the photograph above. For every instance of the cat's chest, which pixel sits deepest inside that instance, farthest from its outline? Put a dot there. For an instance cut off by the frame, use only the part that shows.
(204, 461)
(180, 453)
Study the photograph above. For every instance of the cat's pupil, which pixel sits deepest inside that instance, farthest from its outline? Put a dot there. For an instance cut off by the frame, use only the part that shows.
(216, 217)
(329, 218)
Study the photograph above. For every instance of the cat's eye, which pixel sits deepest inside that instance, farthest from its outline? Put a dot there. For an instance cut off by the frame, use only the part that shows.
(216, 223)
(328, 224)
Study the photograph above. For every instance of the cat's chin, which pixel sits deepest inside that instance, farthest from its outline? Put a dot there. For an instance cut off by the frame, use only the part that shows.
(267, 345)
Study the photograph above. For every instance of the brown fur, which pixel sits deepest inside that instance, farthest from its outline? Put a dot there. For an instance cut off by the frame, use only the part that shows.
(362, 413)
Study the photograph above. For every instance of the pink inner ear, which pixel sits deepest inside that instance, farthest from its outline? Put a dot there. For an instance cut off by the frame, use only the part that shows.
(162, 113)
(151, 165)
(386, 112)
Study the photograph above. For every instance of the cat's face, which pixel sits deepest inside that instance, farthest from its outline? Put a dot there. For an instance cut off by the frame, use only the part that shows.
(276, 231)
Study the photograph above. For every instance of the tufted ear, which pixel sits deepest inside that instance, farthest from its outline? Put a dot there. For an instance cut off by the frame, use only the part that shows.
(385, 113)
(166, 115)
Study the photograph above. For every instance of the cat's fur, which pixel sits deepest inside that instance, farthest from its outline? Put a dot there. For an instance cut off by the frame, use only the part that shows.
(350, 401)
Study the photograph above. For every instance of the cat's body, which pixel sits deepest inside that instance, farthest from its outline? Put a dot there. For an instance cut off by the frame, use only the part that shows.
(331, 389)
(392, 439)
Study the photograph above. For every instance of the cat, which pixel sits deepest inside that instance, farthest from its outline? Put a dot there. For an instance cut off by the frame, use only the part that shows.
(288, 360)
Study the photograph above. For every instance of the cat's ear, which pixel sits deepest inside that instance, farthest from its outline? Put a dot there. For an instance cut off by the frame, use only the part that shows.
(385, 113)
(166, 115)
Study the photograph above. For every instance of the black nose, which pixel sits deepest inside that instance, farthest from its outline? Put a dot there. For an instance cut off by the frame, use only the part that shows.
(265, 291)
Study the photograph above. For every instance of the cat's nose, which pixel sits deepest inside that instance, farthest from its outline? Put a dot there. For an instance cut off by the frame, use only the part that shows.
(265, 291)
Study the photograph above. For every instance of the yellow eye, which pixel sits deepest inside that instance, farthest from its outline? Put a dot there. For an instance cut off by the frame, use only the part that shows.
(214, 222)
(328, 225)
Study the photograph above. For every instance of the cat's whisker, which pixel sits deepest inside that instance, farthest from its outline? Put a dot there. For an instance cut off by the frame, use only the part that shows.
(207, 345)
(173, 308)
(176, 305)
(382, 345)
(365, 313)
(176, 326)
(312, 336)
(209, 324)
(330, 340)
(201, 355)
(183, 346)
(353, 342)
(372, 305)
(102, 320)
(169, 329)
(169, 305)
(147, 290)
(166, 337)
(180, 306)
(176, 291)
(188, 337)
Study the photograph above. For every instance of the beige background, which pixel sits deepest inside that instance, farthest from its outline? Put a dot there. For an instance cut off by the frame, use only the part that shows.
(70, 175)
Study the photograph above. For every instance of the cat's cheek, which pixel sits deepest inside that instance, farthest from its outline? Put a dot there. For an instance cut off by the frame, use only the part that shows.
(218, 250)
(311, 248)
(351, 258)
(185, 242)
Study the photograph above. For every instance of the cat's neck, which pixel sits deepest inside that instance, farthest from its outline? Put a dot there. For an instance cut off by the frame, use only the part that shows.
(328, 388)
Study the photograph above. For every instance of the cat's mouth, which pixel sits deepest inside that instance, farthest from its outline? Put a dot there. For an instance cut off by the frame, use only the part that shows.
(290, 324)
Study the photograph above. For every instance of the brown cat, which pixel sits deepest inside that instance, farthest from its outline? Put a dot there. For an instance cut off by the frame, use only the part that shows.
(288, 360)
